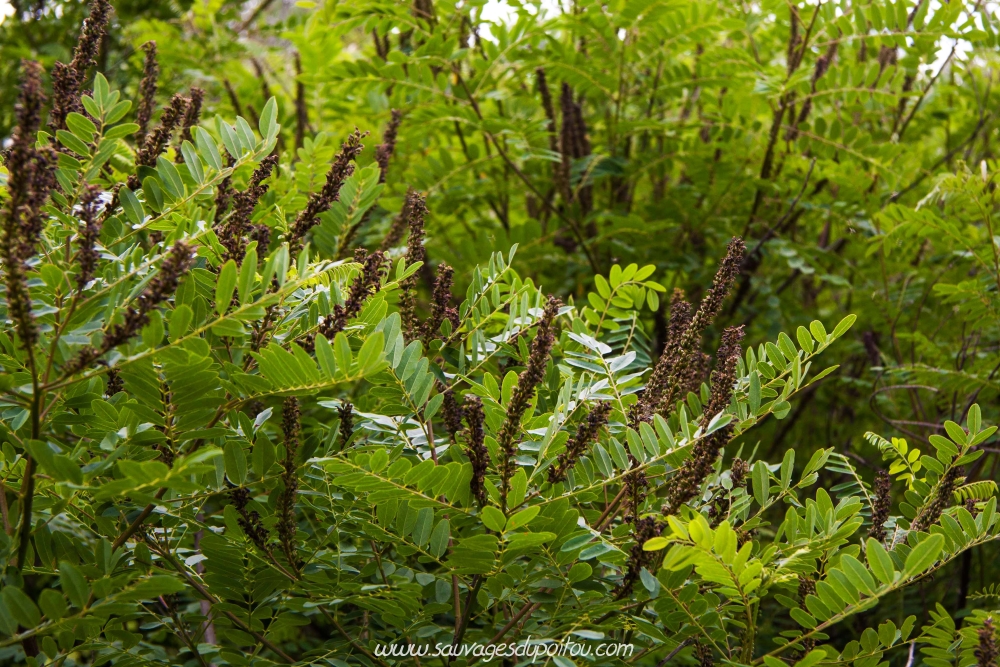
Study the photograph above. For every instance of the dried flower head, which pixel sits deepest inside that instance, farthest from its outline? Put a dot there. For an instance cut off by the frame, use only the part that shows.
(807, 587)
(687, 481)
(90, 230)
(147, 90)
(249, 520)
(451, 411)
(157, 141)
(635, 483)
(524, 390)
(710, 306)
(693, 373)
(384, 151)
(703, 652)
(192, 114)
(658, 385)
(987, 652)
(346, 414)
(579, 444)
(287, 523)
(475, 438)
(931, 511)
(645, 529)
(441, 308)
(415, 209)
(301, 107)
(738, 472)
(234, 230)
(321, 201)
(724, 377)
(67, 80)
(574, 145)
(160, 288)
(31, 178)
(115, 383)
(690, 340)
(881, 505)
(366, 284)
(400, 223)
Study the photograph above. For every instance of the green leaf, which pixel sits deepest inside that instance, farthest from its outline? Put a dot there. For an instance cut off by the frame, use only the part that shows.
(761, 483)
(131, 205)
(370, 354)
(493, 518)
(818, 331)
(224, 287)
(805, 340)
(507, 388)
(193, 162)
(522, 518)
(879, 561)
(81, 126)
(53, 604)
(518, 488)
(844, 325)
(754, 392)
(802, 618)
(180, 320)
(268, 124)
(236, 463)
(73, 584)
(602, 286)
(206, 147)
(439, 538)
(655, 544)
(423, 525)
(248, 274)
(21, 606)
(342, 352)
(811, 658)
(263, 455)
(70, 141)
(924, 554)
(170, 177)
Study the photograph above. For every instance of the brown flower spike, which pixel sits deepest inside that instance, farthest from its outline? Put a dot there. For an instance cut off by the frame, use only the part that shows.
(147, 90)
(881, 505)
(476, 448)
(578, 445)
(520, 399)
(287, 523)
(160, 288)
(90, 230)
(67, 80)
(31, 179)
(321, 201)
(687, 481)
(234, 230)
(416, 208)
(384, 151)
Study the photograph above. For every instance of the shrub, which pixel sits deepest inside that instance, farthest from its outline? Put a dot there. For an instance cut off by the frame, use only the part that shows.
(225, 444)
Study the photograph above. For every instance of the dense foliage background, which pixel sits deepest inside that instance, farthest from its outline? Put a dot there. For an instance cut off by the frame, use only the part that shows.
(848, 143)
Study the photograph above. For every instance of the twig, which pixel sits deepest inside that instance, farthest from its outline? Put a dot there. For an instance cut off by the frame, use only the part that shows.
(253, 16)
(468, 610)
(330, 617)
(531, 186)
(134, 526)
(211, 598)
(950, 154)
(677, 650)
